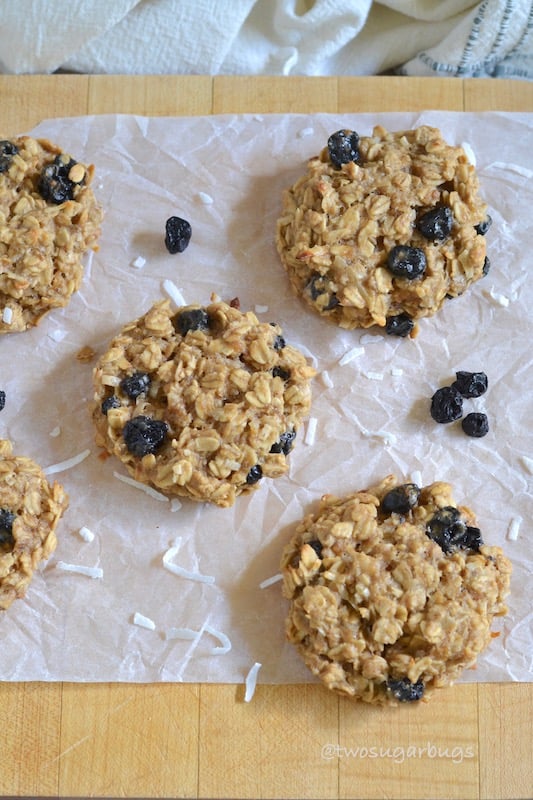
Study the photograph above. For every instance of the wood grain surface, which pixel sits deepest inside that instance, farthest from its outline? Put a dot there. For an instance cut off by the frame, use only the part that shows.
(473, 741)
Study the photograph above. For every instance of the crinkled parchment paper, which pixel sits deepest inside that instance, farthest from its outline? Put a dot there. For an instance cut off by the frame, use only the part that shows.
(225, 175)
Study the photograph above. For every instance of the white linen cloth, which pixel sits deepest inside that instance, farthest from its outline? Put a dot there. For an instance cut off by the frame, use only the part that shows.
(493, 38)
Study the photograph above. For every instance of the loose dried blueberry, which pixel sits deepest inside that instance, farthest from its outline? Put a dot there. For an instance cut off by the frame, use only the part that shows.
(177, 234)
(7, 518)
(255, 474)
(279, 372)
(7, 151)
(436, 224)
(144, 435)
(475, 424)
(343, 147)
(446, 405)
(404, 690)
(483, 226)
(450, 532)
(399, 325)
(285, 443)
(136, 384)
(470, 384)
(317, 546)
(110, 402)
(194, 319)
(401, 499)
(406, 262)
(2, 400)
(486, 266)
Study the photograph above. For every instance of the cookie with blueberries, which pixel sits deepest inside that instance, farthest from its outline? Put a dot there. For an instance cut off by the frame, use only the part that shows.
(392, 591)
(30, 509)
(49, 218)
(204, 402)
(383, 229)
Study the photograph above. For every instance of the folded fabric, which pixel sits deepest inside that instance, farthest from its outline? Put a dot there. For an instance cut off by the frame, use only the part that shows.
(271, 37)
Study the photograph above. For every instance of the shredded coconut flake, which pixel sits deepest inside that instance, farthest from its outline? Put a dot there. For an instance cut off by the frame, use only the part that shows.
(326, 379)
(138, 262)
(68, 464)
(86, 534)
(190, 635)
(205, 198)
(261, 309)
(305, 132)
(251, 681)
(55, 432)
(89, 572)
(181, 571)
(416, 477)
(469, 153)
(370, 338)
(174, 293)
(497, 297)
(7, 315)
(175, 504)
(396, 371)
(388, 438)
(182, 633)
(374, 376)
(142, 486)
(58, 335)
(514, 529)
(269, 581)
(143, 622)
(225, 644)
(527, 463)
(310, 434)
(508, 167)
(355, 352)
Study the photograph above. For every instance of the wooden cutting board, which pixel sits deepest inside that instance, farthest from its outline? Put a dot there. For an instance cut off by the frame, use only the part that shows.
(473, 741)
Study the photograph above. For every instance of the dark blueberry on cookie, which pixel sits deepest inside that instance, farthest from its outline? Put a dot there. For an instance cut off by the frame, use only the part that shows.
(177, 234)
(279, 372)
(399, 325)
(404, 690)
(401, 499)
(136, 384)
(475, 424)
(482, 227)
(317, 546)
(406, 262)
(343, 147)
(317, 286)
(448, 530)
(285, 443)
(110, 402)
(7, 518)
(279, 343)
(436, 224)
(144, 435)
(255, 474)
(470, 384)
(58, 179)
(192, 319)
(7, 151)
(446, 405)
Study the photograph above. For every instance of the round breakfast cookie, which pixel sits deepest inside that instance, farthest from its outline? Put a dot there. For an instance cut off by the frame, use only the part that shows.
(202, 402)
(392, 591)
(48, 219)
(29, 512)
(382, 229)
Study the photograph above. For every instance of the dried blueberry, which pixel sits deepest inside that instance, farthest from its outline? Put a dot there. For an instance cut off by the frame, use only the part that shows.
(399, 325)
(110, 402)
(482, 227)
(486, 266)
(194, 319)
(279, 372)
(447, 529)
(55, 185)
(475, 424)
(406, 262)
(136, 384)
(446, 405)
(470, 384)
(144, 435)
(317, 286)
(7, 519)
(436, 224)
(404, 690)
(279, 343)
(255, 474)
(401, 499)
(285, 443)
(343, 147)
(177, 234)
(317, 546)
(2, 400)
(7, 151)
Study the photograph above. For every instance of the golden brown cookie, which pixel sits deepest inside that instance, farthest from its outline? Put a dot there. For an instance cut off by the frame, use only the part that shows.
(48, 219)
(202, 402)
(30, 510)
(382, 229)
(392, 591)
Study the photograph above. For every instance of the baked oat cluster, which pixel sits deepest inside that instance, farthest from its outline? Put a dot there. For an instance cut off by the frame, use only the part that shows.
(202, 402)
(382, 229)
(392, 591)
(30, 509)
(48, 219)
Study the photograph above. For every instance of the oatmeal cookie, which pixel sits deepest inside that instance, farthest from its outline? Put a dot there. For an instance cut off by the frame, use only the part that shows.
(48, 219)
(30, 510)
(202, 402)
(392, 591)
(381, 229)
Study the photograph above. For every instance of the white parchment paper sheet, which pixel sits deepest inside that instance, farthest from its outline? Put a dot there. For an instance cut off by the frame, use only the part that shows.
(74, 628)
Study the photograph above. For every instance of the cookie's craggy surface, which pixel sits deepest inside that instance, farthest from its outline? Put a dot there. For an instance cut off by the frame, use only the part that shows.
(378, 610)
(30, 509)
(214, 407)
(339, 225)
(42, 241)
